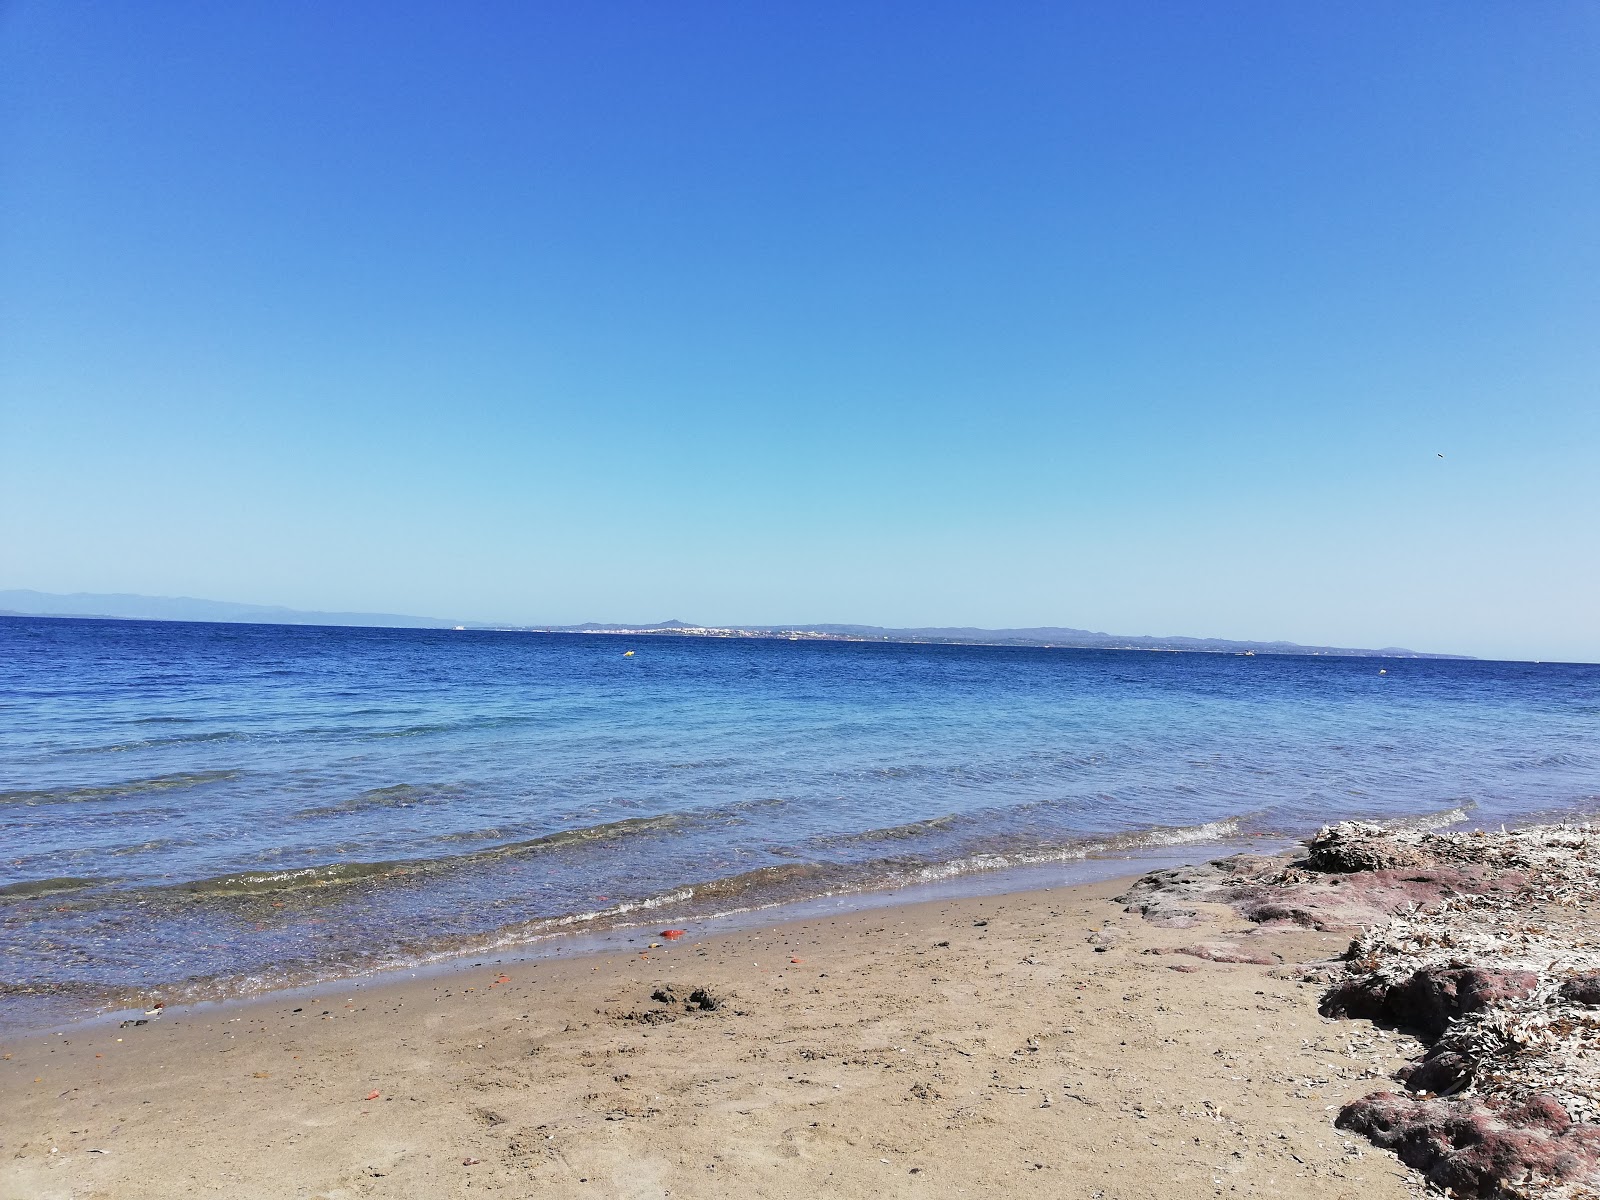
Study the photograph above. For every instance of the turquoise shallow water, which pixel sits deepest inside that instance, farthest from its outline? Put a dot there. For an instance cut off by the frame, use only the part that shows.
(202, 809)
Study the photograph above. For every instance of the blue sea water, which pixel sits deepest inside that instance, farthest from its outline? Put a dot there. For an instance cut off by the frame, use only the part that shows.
(200, 809)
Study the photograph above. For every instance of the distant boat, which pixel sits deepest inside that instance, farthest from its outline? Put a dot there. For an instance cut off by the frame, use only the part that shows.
(460, 627)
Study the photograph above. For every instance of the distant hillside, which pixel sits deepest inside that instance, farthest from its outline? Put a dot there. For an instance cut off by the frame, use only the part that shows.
(185, 608)
(1078, 639)
(126, 607)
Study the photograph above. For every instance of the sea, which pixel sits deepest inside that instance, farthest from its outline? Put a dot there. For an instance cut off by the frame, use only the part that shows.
(191, 812)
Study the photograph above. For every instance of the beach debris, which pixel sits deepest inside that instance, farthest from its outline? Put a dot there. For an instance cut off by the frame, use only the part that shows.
(372, 1095)
(1481, 944)
(696, 998)
(470, 1162)
(649, 1016)
(1221, 952)
(672, 935)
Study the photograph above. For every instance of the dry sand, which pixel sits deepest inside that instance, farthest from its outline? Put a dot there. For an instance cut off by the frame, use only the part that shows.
(1027, 1044)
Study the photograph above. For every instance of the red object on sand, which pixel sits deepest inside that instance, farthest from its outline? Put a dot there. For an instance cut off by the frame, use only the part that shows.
(672, 935)
(372, 1096)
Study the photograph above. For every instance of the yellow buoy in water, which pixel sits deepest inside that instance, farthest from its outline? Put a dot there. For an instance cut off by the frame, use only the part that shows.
(627, 654)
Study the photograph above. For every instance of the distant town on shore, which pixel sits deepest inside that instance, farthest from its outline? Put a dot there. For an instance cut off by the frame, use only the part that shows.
(130, 607)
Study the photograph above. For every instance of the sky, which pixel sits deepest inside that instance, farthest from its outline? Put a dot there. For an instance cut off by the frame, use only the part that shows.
(1136, 317)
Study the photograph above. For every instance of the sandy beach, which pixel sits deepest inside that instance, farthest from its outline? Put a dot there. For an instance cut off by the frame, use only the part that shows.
(1045, 1043)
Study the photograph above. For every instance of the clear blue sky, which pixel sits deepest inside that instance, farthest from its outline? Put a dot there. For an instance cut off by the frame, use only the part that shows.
(1150, 318)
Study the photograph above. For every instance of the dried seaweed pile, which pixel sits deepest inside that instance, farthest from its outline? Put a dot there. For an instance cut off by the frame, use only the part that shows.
(1506, 983)
(1484, 945)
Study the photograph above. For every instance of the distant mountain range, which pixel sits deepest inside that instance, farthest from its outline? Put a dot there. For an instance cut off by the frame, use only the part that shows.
(122, 606)
(1049, 635)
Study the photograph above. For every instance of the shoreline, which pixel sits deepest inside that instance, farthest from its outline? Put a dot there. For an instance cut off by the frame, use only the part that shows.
(1237, 1027)
(955, 1045)
(575, 937)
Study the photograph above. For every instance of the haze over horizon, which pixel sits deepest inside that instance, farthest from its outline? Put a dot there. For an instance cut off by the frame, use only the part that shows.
(1253, 322)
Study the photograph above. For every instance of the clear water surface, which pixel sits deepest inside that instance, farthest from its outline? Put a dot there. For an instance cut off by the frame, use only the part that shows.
(206, 809)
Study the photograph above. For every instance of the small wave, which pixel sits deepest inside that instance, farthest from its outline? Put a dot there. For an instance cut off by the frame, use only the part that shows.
(1183, 835)
(399, 795)
(620, 910)
(1556, 758)
(258, 883)
(116, 791)
(30, 889)
(152, 846)
(1441, 818)
(431, 728)
(407, 731)
(261, 883)
(1445, 818)
(186, 739)
(762, 879)
(893, 833)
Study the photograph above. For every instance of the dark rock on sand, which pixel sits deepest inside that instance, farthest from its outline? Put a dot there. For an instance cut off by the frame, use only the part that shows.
(692, 998)
(1469, 1147)
(1328, 889)
(1582, 989)
(1354, 847)
(1430, 999)
(650, 1016)
(1441, 1072)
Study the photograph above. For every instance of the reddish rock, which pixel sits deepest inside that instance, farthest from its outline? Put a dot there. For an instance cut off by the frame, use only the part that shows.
(1430, 999)
(1466, 1146)
(1219, 952)
(1268, 891)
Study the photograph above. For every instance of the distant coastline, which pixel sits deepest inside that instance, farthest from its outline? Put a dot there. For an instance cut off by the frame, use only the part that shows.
(1047, 637)
(131, 607)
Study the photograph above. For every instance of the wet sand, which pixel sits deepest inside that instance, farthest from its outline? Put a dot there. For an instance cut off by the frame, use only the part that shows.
(1045, 1043)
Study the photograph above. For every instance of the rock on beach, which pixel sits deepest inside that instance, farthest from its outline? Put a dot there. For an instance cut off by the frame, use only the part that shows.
(1481, 944)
